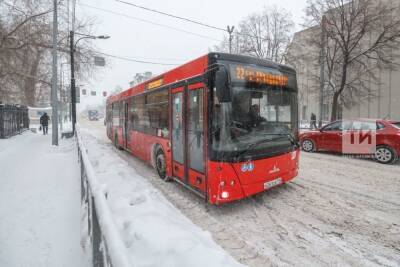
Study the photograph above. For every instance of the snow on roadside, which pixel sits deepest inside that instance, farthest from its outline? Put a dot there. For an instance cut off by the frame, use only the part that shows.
(153, 230)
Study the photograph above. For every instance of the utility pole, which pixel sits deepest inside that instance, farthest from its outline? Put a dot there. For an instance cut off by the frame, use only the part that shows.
(72, 85)
(73, 92)
(230, 31)
(322, 72)
(54, 98)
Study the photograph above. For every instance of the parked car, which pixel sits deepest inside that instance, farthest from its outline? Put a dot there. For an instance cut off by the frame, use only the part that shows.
(335, 136)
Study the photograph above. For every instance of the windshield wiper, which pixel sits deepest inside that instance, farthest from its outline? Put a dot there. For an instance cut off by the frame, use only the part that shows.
(250, 146)
(289, 135)
(291, 138)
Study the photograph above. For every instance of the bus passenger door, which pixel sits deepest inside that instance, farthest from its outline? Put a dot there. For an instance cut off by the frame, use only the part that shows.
(188, 136)
(178, 137)
(195, 138)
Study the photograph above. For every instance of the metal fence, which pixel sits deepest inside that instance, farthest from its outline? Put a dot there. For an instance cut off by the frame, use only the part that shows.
(104, 246)
(13, 120)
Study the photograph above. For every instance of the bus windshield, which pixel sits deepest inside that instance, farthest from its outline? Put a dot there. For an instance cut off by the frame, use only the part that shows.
(259, 121)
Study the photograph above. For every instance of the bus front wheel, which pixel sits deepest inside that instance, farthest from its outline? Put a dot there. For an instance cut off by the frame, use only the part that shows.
(161, 165)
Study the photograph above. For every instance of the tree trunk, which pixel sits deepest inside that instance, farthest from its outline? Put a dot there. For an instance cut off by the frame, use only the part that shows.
(335, 101)
(335, 106)
(30, 82)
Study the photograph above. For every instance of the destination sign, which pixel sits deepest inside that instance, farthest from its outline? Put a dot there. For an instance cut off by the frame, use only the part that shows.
(155, 84)
(257, 75)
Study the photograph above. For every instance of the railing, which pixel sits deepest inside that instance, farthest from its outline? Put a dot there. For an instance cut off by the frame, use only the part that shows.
(13, 120)
(103, 245)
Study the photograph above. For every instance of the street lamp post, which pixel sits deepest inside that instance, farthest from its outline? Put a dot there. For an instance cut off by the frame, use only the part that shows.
(54, 98)
(72, 51)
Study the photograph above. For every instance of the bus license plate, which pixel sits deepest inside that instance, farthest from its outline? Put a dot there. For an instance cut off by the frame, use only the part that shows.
(272, 183)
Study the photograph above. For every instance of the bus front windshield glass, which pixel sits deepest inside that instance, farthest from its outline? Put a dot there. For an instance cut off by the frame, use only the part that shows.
(259, 121)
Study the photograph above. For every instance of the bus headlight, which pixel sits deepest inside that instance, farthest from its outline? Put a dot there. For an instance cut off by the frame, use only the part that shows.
(224, 194)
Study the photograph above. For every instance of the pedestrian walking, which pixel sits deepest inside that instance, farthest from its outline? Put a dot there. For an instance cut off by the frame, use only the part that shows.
(313, 123)
(44, 122)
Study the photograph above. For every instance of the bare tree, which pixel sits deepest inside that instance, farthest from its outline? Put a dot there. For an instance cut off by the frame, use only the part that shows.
(264, 35)
(360, 37)
(25, 49)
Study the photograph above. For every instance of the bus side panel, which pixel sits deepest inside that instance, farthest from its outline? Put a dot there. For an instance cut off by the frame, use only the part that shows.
(197, 180)
(142, 146)
(120, 136)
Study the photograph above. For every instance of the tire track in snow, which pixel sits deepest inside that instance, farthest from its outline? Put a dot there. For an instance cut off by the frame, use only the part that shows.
(306, 222)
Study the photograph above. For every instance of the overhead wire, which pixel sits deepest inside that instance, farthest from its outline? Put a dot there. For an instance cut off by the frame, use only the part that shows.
(173, 16)
(136, 60)
(190, 20)
(150, 22)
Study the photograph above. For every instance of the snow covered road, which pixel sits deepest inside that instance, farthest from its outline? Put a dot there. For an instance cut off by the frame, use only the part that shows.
(337, 212)
(39, 202)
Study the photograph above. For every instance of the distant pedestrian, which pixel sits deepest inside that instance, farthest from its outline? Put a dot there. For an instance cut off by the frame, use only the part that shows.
(313, 122)
(44, 122)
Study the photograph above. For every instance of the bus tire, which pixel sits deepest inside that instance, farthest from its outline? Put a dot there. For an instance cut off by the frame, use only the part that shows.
(117, 146)
(161, 165)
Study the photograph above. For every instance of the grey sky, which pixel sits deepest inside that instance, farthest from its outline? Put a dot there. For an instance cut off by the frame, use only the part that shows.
(143, 41)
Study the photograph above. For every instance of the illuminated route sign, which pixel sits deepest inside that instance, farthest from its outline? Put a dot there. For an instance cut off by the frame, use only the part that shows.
(257, 75)
(154, 84)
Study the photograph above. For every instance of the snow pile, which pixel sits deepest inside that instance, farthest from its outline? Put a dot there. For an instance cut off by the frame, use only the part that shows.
(154, 232)
(115, 247)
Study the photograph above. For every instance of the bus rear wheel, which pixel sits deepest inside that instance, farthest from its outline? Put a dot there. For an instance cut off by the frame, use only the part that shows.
(116, 142)
(161, 165)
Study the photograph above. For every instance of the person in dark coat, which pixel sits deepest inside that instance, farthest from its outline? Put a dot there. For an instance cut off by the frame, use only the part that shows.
(254, 116)
(313, 123)
(44, 122)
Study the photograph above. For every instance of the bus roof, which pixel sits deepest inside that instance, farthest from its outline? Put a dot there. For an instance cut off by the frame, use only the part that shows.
(194, 68)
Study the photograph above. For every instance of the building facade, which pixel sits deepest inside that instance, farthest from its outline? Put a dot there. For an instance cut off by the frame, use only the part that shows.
(382, 93)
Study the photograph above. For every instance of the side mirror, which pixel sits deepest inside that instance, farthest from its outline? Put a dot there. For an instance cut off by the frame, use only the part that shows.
(222, 86)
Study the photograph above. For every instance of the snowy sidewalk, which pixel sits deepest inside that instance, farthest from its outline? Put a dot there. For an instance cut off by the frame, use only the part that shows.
(39, 202)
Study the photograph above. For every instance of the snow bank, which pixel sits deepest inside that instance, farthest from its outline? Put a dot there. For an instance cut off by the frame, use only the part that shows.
(154, 232)
(115, 247)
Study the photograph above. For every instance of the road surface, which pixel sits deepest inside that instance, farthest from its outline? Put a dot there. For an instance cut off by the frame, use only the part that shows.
(338, 212)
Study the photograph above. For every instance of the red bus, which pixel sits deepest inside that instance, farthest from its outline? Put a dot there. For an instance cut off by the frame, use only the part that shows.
(224, 126)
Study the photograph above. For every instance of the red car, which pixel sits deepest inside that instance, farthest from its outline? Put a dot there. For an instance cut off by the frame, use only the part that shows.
(339, 136)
